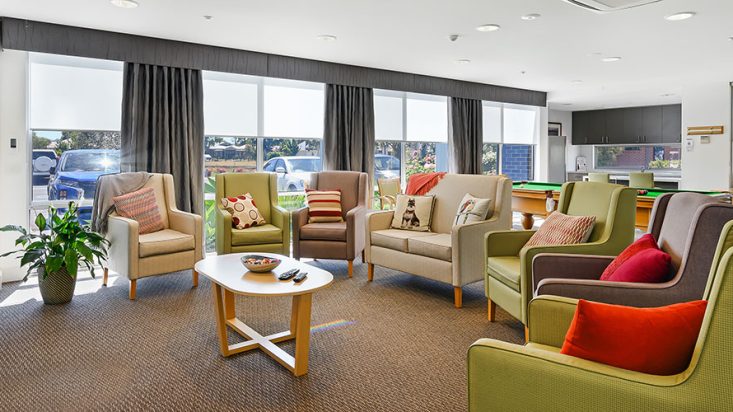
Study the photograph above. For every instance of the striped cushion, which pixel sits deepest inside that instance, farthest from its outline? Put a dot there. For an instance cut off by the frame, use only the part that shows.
(323, 205)
(141, 207)
(561, 229)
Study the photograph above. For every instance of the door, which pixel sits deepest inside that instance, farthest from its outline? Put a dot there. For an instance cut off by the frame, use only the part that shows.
(652, 124)
(596, 126)
(672, 123)
(633, 119)
(556, 172)
(615, 126)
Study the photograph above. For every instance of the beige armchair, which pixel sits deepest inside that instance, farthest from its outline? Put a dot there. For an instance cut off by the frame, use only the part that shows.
(334, 240)
(177, 247)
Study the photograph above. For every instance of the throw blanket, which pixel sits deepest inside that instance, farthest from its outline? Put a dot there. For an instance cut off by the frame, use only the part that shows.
(109, 186)
(421, 183)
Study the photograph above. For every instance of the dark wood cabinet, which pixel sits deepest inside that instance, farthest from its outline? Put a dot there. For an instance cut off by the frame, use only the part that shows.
(630, 125)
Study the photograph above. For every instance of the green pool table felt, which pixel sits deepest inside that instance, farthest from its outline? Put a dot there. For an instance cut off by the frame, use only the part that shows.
(541, 186)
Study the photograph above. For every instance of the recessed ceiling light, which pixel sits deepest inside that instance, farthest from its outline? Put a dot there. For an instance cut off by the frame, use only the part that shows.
(610, 59)
(125, 4)
(566, 104)
(463, 61)
(576, 81)
(680, 16)
(667, 94)
(531, 16)
(207, 17)
(326, 37)
(488, 27)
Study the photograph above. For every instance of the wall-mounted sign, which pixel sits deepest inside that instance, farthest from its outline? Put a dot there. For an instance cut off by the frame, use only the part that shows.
(704, 130)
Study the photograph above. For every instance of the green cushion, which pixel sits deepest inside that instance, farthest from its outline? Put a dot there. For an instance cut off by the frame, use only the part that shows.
(505, 269)
(257, 235)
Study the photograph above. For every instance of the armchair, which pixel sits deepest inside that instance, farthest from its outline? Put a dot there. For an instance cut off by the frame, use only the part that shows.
(272, 237)
(177, 247)
(509, 264)
(388, 191)
(687, 226)
(334, 240)
(508, 377)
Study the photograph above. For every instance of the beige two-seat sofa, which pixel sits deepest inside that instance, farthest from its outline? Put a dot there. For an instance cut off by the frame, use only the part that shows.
(448, 254)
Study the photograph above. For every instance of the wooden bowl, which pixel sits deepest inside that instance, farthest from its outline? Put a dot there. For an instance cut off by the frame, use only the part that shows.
(254, 263)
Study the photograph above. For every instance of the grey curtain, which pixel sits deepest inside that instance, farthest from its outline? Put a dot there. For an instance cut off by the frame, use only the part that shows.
(348, 134)
(465, 137)
(163, 127)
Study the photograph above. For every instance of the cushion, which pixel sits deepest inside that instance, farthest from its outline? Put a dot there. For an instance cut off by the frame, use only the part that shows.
(323, 205)
(645, 242)
(164, 242)
(394, 239)
(472, 209)
(140, 206)
(505, 269)
(648, 266)
(413, 213)
(658, 341)
(437, 246)
(257, 235)
(244, 211)
(324, 231)
(561, 229)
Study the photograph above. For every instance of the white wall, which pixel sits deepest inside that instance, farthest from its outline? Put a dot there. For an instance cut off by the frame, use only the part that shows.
(14, 170)
(707, 166)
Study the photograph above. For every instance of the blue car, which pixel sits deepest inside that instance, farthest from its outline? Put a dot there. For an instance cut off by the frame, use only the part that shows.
(75, 177)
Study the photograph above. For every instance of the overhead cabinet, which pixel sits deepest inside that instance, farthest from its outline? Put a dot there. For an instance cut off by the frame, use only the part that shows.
(630, 125)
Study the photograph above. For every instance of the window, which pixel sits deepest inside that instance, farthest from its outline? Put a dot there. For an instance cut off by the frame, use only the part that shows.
(293, 108)
(230, 104)
(510, 133)
(638, 157)
(490, 159)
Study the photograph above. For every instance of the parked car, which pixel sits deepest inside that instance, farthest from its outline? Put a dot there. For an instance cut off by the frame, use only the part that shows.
(386, 166)
(43, 161)
(293, 171)
(77, 173)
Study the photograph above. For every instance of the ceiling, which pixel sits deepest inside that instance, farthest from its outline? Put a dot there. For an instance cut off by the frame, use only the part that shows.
(559, 53)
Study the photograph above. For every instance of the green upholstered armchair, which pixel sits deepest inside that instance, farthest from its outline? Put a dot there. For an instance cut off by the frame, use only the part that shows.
(509, 264)
(536, 377)
(273, 237)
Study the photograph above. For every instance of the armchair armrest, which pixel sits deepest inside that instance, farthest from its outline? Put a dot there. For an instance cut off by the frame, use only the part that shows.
(223, 231)
(506, 242)
(300, 219)
(281, 219)
(564, 266)
(467, 250)
(190, 224)
(617, 293)
(124, 237)
(549, 319)
(355, 231)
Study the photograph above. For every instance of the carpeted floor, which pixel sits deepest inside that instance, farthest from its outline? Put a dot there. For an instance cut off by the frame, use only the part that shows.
(396, 344)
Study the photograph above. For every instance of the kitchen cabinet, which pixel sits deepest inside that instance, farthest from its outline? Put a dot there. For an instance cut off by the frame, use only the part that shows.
(629, 125)
(672, 123)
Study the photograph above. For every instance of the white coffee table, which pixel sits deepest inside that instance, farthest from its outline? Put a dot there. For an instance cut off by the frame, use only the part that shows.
(230, 277)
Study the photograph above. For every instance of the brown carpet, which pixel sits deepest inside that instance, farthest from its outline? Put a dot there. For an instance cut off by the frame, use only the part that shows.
(401, 346)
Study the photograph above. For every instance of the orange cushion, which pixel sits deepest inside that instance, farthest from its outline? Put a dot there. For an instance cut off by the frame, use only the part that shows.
(658, 341)
(140, 206)
(323, 205)
(645, 242)
(561, 229)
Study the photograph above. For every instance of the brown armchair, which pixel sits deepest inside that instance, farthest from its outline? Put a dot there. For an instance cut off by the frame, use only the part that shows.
(686, 225)
(334, 240)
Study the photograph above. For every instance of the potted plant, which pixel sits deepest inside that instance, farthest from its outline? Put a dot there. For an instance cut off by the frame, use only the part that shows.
(62, 246)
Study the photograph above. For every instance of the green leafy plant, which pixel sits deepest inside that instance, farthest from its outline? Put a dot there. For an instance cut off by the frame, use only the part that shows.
(63, 242)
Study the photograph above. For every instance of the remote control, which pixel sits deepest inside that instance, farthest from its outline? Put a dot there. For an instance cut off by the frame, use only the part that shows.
(289, 274)
(300, 277)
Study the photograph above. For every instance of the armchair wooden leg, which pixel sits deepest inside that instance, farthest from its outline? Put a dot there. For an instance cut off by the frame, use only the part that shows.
(105, 277)
(370, 272)
(492, 311)
(133, 289)
(458, 297)
(195, 279)
(526, 334)
(351, 268)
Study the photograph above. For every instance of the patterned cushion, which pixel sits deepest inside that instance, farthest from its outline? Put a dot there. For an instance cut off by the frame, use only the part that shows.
(323, 205)
(471, 210)
(244, 211)
(561, 229)
(141, 207)
(413, 212)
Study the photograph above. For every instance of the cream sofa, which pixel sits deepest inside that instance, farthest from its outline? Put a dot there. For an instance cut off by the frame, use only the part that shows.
(447, 254)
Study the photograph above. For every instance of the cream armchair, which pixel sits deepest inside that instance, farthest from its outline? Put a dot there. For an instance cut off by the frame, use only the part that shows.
(177, 247)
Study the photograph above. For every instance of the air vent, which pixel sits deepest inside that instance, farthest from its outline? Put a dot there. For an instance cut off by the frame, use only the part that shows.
(609, 5)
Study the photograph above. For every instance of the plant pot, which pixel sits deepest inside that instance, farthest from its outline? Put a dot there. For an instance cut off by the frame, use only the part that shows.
(57, 288)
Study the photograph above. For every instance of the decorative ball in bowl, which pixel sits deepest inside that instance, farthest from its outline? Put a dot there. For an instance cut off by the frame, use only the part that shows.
(257, 263)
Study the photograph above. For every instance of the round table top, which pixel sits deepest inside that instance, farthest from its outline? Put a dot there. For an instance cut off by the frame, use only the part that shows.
(229, 272)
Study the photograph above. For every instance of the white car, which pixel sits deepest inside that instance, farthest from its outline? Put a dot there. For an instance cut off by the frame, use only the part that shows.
(293, 171)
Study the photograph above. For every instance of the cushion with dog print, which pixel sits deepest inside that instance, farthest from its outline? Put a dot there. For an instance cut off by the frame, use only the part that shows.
(471, 210)
(413, 213)
(244, 211)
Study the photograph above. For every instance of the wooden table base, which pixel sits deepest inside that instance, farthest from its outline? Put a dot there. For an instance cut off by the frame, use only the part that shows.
(299, 331)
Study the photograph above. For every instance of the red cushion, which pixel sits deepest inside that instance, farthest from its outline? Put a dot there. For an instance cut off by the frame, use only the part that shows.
(658, 341)
(647, 266)
(645, 242)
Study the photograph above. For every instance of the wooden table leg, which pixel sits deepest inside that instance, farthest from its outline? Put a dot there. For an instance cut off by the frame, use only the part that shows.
(221, 325)
(302, 322)
(228, 305)
(527, 221)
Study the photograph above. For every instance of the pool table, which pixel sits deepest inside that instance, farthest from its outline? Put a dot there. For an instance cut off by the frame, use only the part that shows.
(530, 198)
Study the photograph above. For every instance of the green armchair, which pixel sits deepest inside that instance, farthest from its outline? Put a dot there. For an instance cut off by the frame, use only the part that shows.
(509, 264)
(273, 237)
(534, 377)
